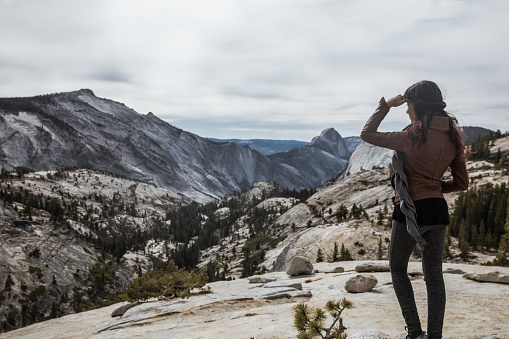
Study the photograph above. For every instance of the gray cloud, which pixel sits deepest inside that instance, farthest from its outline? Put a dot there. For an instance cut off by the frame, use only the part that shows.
(291, 68)
(110, 74)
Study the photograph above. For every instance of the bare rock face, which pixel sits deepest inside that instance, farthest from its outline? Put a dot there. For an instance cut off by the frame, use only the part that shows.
(236, 310)
(367, 156)
(299, 266)
(361, 283)
(372, 267)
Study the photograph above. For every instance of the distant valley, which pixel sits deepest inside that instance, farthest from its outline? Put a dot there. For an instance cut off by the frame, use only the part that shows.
(269, 146)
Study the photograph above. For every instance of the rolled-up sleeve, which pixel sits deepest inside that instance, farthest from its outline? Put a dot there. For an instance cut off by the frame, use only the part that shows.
(370, 134)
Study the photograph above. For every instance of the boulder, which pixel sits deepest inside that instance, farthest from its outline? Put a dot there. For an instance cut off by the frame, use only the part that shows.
(494, 277)
(361, 283)
(372, 267)
(300, 265)
(337, 269)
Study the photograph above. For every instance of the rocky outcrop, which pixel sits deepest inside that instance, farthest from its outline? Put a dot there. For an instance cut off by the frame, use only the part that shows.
(144, 311)
(493, 277)
(366, 157)
(45, 262)
(233, 309)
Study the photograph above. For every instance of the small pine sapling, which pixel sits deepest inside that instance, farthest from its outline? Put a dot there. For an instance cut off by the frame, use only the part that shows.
(310, 321)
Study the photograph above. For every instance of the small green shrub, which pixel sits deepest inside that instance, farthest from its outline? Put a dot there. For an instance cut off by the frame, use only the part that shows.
(36, 270)
(37, 292)
(309, 321)
(11, 232)
(35, 253)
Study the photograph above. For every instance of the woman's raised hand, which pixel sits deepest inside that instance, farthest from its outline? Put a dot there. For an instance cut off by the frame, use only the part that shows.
(396, 101)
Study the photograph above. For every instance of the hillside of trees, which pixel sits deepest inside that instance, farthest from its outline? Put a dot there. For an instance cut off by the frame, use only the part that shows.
(480, 220)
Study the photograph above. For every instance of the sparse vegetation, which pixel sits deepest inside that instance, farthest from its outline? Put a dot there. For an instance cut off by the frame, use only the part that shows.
(170, 282)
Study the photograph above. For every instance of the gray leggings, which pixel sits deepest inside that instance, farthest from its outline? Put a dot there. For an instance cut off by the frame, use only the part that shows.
(402, 245)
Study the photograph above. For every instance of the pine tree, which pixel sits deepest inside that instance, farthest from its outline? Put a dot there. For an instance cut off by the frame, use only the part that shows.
(344, 254)
(319, 255)
(335, 253)
(380, 217)
(502, 258)
(380, 253)
(463, 242)
(498, 156)
(354, 211)
(8, 283)
(482, 234)
(474, 237)
(246, 267)
(489, 241)
(53, 313)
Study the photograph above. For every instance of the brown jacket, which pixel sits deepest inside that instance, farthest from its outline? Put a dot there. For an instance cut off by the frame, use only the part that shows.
(427, 164)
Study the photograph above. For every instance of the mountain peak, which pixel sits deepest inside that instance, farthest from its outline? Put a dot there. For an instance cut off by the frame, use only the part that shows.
(86, 91)
(332, 142)
(328, 134)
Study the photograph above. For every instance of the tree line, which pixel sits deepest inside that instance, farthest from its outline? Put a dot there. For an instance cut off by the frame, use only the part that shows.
(480, 218)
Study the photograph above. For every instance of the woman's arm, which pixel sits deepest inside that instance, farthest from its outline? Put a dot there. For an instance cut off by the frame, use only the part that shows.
(459, 181)
(392, 140)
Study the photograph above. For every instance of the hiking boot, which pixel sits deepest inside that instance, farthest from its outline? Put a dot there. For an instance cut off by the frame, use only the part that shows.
(420, 336)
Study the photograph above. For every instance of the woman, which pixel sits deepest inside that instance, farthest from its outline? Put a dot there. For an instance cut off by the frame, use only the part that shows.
(425, 150)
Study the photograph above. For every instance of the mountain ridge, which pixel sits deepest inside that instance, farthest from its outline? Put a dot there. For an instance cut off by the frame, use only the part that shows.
(78, 129)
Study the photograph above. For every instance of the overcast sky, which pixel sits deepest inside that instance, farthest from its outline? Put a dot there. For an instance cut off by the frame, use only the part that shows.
(268, 69)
